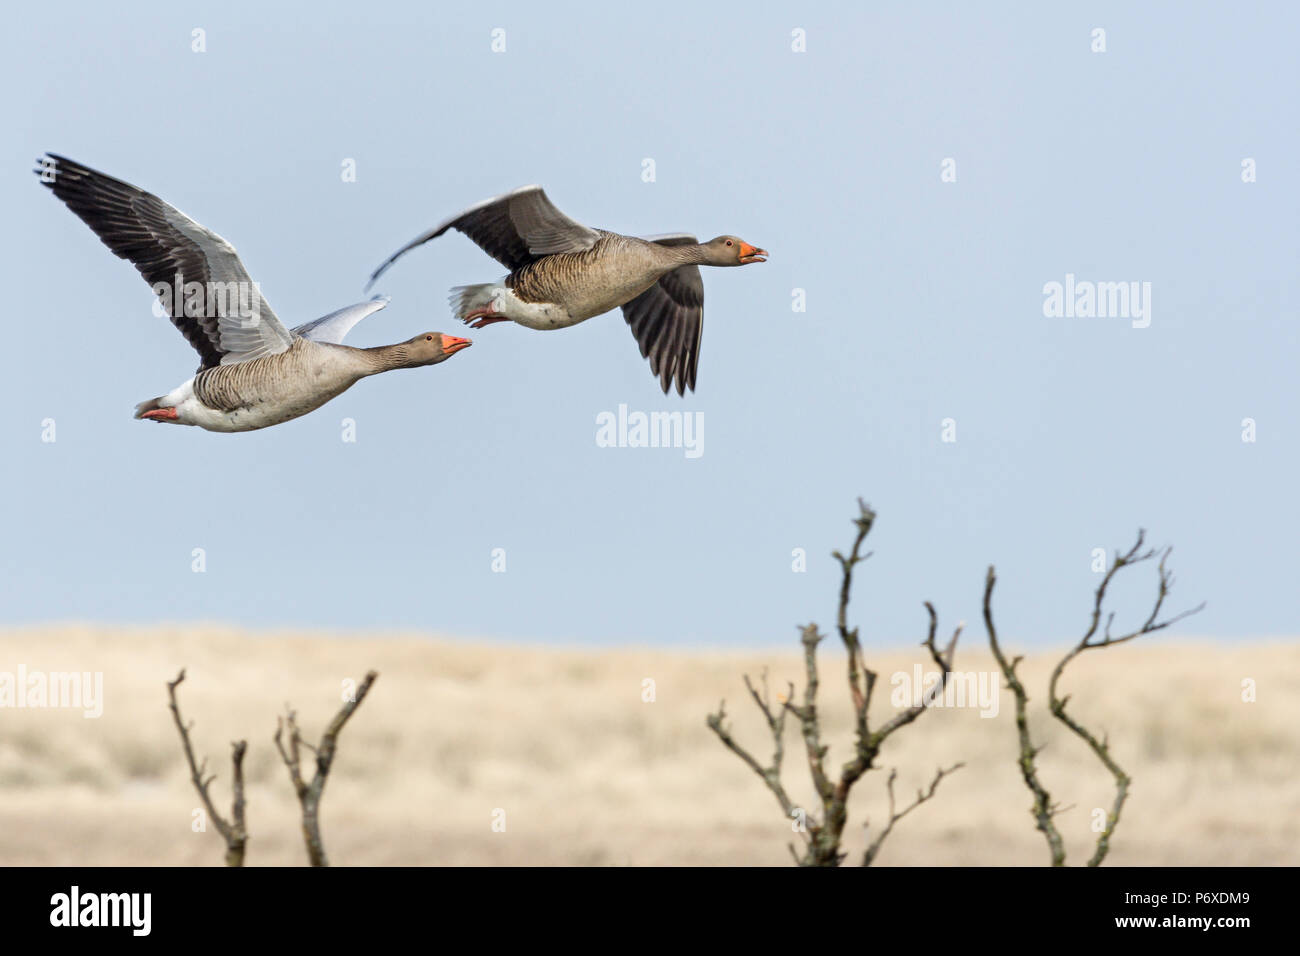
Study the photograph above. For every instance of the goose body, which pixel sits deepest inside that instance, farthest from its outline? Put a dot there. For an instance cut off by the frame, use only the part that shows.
(253, 372)
(563, 273)
(566, 288)
(265, 391)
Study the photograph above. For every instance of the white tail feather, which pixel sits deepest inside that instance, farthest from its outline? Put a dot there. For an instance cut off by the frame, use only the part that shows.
(466, 298)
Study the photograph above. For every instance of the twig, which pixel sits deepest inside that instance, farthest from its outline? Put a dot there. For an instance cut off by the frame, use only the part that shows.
(1043, 808)
(824, 833)
(309, 794)
(921, 797)
(235, 833)
(1101, 748)
(858, 672)
(809, 724)
(771, 776)
(943, 660)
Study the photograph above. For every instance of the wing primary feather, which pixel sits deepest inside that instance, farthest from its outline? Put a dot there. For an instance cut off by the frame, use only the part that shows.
(172, 253)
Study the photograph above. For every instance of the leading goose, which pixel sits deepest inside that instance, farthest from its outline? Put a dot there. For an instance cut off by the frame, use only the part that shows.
(562, 272)
(253, 371)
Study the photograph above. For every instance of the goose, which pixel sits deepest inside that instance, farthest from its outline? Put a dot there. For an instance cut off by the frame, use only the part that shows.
(253, 372)
(562, 273)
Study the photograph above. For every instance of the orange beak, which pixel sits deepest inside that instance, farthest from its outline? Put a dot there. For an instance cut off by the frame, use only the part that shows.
(451, 344)
(749, 254)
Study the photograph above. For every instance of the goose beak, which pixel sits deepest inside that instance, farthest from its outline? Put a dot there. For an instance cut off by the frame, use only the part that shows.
(749, 254)
(451, 344)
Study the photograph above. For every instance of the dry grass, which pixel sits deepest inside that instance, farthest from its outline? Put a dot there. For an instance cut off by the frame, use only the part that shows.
(588, 773)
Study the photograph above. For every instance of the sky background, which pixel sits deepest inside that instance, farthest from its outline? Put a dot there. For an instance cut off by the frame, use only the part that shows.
(924, 302)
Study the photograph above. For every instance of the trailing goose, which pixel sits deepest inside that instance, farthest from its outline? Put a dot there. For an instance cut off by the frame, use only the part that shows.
(562, 273)
(253, 372)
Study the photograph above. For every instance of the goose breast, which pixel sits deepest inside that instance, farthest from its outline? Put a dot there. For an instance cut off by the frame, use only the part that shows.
(276, 388)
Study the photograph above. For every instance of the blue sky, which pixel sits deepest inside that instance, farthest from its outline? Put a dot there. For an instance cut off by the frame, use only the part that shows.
(924, 302)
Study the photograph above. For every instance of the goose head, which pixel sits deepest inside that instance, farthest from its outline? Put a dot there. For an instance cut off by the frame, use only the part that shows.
(430, 348)
(732, 251)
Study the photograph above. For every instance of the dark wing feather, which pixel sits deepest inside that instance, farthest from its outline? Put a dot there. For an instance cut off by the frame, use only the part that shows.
(667, 320)
(515, 229)
(163, 243)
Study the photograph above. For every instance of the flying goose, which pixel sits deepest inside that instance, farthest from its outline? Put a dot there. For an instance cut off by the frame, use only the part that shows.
(562, 273)
(253, 372)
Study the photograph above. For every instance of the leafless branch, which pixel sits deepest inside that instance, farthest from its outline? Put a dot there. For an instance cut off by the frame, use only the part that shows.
(809, 724)
(776, 724)
(943, 660)
(235, 833)
(1056, 703)
(862, 680)
(823, 840)
(1043, 809)
(921, 797)
(309, 794)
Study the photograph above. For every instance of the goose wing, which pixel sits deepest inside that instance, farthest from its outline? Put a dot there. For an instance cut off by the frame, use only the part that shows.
(228, 321)
(333, 327)
(514, 229)
(667, 320)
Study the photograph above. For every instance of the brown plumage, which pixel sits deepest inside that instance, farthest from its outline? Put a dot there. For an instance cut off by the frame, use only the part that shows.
(253, 372)
(562, 273)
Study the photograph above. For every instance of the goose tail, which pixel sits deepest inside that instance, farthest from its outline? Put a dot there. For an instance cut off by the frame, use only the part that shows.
(151, 405)
(466, 298)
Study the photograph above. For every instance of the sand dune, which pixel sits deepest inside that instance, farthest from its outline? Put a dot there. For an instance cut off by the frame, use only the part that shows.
(587, 772)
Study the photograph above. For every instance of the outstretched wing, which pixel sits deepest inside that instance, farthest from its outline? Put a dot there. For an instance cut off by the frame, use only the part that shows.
(333, 327)
(668, 321)
(514, 229)
(223, 315)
